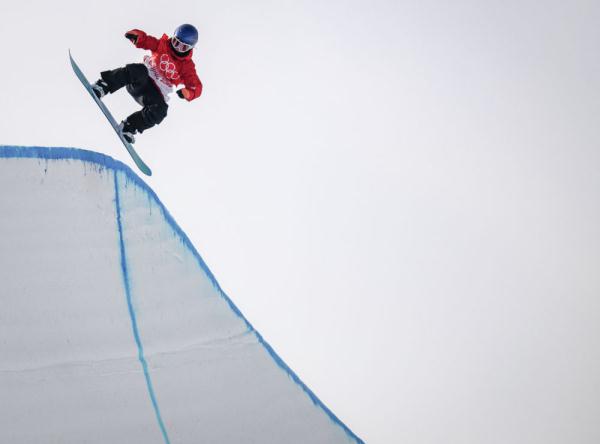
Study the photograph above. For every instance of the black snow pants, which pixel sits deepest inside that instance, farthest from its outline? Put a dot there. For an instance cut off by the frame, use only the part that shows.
(143, 89)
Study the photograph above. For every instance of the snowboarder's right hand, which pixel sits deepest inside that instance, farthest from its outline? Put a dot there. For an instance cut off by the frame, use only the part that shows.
(185, 93)
(132, 36)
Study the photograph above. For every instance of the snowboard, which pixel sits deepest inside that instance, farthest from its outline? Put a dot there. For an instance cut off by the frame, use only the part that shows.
(134, 155)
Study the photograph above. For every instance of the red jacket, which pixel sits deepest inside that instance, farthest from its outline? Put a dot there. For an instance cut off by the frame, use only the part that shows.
(166, 67)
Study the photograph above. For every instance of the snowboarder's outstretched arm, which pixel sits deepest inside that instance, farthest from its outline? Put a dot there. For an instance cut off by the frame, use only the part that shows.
(142, 40)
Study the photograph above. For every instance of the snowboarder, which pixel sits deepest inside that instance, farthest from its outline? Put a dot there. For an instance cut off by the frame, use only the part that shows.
(150, 83)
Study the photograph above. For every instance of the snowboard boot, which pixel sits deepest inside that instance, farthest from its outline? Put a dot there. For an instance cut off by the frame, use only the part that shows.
(100, 88)
(127, 131)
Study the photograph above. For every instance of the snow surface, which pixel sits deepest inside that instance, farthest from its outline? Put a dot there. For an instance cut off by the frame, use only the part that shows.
(112, 328)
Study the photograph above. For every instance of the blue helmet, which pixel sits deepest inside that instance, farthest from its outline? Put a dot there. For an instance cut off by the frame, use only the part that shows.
(185, 37)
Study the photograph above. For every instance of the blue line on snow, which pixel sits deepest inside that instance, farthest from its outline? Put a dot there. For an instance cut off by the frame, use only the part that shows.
(110, 163)
(134, 326)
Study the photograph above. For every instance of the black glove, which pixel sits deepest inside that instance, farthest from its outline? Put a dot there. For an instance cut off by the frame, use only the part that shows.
(132, 37)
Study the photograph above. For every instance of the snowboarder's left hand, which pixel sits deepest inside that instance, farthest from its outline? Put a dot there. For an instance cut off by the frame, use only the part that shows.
(132, 35)
(184, 93)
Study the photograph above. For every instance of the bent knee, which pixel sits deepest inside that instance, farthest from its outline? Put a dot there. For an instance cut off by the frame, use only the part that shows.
(156, 113)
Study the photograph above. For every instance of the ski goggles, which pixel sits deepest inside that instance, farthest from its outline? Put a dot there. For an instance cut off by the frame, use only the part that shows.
(179, 45)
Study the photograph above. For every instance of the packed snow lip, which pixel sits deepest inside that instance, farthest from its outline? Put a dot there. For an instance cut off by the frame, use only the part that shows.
(124, 178)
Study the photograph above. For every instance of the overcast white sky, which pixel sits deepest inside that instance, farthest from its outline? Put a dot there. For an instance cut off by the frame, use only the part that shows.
(403, 197)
